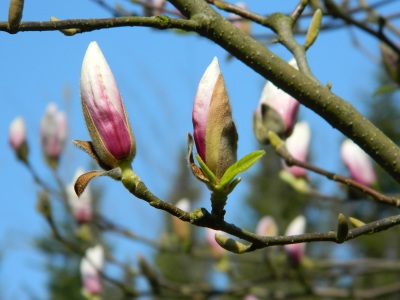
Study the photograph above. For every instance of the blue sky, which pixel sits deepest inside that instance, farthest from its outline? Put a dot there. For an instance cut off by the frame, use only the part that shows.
(157, 73)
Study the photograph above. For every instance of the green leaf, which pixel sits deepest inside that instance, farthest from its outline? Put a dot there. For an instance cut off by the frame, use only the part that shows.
(207, 172)
(240, 166)
(234, 183)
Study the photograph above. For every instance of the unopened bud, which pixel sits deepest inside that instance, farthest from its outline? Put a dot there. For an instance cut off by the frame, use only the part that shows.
(358, 162)
(356, 222)
(43, 205)
(17, 139)
(342, 229)
(215, 132)
(104, 111)
(313, 30)
(67, 32)
(15, 14)
(53, 133)
(276, 111)
(295, 252)
(90, 267)
(229, 244)
(267, 226)
(298, 146)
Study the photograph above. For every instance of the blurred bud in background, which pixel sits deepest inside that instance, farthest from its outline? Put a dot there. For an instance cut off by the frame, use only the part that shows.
(53, 134)
(267, 227)
(358, 163)
(82, 206)
(17, 139)
(298, 145)
(90, 266)
(295, 252)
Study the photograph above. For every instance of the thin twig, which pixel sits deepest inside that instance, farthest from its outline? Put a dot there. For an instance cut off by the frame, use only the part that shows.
(290, 160)
(87, 25)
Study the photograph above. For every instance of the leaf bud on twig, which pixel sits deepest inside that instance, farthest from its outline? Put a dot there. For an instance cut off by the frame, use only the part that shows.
(342, 229)
(313, 30)
(230, 245)
(15, 14)
(67, 32)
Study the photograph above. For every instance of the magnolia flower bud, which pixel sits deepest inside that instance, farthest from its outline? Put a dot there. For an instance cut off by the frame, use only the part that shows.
(53, 133)
(267, 227)
(358, 163)
(277, 112)
(90, 266)
(17, 138)
(104, 111)
(298, 145)
(295, 252)
(215, 132)
(81, 207)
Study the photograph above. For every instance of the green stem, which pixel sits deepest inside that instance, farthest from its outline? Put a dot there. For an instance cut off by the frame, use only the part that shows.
(218, 202)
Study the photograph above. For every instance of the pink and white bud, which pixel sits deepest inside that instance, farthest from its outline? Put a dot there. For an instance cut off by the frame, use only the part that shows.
(295, 252)
(267, 227)
(284, 105)
(53, 133)
(298, 145)
(17, 139)
(215, 133)
(104, 110)
(90, 266)
(217, 251)
(241, 23)
(82, 206)
(358, 163)
(17, 133)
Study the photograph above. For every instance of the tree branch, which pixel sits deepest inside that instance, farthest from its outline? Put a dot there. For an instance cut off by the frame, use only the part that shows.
(201, 217)
(282, 151)
(336, 111)
(86, 25)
